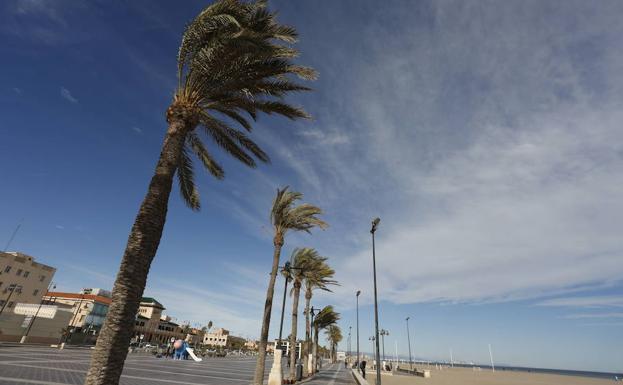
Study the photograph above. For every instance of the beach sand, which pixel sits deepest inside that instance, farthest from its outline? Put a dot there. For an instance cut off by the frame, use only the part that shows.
(465, 376)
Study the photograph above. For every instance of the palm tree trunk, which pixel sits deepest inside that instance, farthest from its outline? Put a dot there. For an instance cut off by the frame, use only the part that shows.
(308, 296)
(295, 317)
(315, 351)
(268, 306)
(114, 338)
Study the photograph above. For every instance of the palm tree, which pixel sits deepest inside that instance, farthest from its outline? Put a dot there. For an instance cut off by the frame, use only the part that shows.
(325, 318)
(284, 216)
(334, 335)
(304, 261)
(234, 60)
(318, 278)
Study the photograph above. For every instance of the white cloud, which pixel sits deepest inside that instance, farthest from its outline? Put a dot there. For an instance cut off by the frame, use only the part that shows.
(60, 227)
(17, 90)
(137, 130)
(497, 171)
(66, 94)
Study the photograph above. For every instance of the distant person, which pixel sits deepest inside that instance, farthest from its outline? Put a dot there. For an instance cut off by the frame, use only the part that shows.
(362, 367)
(345, 364)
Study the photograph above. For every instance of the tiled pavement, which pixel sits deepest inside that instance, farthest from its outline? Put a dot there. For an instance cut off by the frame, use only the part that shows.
(26, 365)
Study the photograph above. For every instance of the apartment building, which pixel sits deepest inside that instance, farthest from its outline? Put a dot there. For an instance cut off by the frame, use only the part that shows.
(22, 280)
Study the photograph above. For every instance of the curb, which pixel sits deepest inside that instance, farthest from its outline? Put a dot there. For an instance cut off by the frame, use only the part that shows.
(358, 379)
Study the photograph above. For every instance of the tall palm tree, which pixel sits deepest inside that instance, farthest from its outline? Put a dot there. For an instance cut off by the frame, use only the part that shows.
(334, 335)
(284, 216)
(325, 318)
(234, 60)
(304, 261)
(318, 278)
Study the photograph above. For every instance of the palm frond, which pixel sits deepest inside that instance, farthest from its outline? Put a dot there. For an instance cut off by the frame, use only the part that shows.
(202, 153)
(326, 317)
(235, 59)
(186, 180)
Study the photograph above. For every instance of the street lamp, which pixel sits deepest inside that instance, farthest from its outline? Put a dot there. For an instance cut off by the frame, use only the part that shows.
(286, 269)
(409, 339)
(372, 338)
(375, 224)
(350, 329)
(32, 321)
(383, 333)
(357, 295)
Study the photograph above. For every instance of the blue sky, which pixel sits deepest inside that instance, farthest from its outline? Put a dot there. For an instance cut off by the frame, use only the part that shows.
(486, 135)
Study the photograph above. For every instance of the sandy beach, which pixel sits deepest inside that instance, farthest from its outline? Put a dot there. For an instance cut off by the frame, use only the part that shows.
(464, 376)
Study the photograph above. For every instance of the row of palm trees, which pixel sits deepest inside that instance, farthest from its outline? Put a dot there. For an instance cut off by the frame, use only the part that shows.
(234, 61)
(307, 267)
(311, 269)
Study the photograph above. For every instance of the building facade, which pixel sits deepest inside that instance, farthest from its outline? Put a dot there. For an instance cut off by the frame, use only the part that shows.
(22, 280)
(153, 326)
(88, 312)
(216, 338)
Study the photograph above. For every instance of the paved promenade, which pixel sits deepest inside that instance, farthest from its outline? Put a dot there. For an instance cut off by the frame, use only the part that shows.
(332, 374)
(26, 365)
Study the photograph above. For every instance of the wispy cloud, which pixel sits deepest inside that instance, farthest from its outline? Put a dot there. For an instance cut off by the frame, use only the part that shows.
(66, 94)
(585, 302)
(137, 130)
(594, 315)
(60, 227)
(17, 90)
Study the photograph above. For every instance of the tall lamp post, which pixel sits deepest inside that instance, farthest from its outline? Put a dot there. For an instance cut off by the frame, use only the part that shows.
(357, 295)
(409, 339)
(383, 333)
(375, 224)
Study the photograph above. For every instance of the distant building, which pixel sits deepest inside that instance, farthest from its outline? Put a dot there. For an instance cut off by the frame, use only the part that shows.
(251, 344)
(22, 279)
(88, 312)
(153, 326)
(218, 337)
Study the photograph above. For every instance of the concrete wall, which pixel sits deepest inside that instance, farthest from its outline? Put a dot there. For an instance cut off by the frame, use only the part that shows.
(44, 330)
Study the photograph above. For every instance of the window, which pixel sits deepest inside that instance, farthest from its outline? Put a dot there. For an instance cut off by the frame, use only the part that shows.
(2, 302)
(7, 269)
(19, 272)
(1, 284)
(10, 304)
(35, 292)
(41, 278)
(26, 274)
